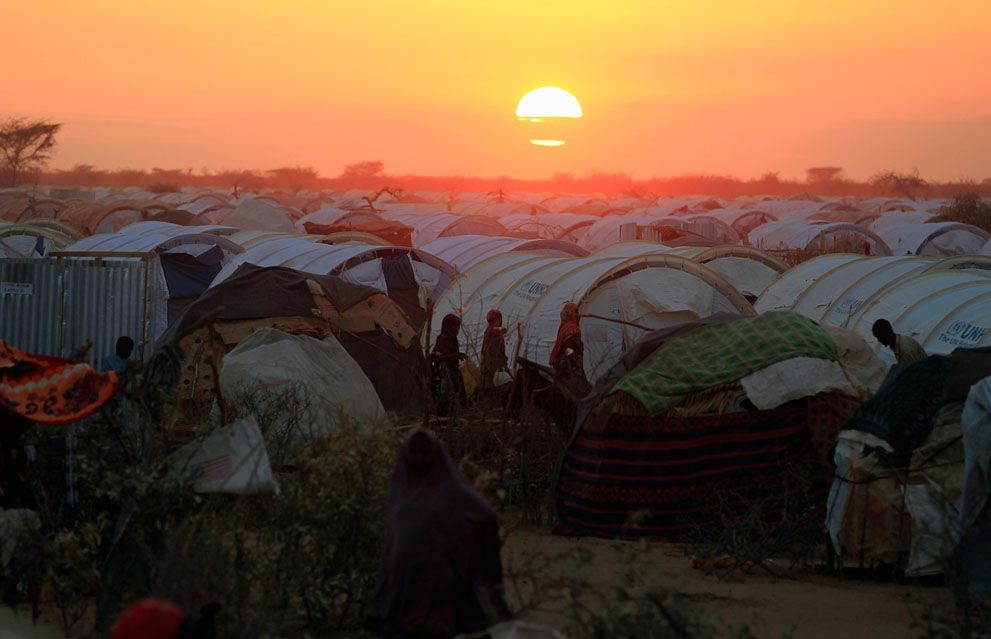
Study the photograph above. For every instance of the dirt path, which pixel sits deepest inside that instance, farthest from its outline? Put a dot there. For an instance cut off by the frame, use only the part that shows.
(812, 606)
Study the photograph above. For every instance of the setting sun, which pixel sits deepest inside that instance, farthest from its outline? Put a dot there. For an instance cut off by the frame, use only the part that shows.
(548, 102)
(548, 108)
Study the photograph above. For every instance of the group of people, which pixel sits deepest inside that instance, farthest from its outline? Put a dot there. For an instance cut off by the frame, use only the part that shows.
(567, 358)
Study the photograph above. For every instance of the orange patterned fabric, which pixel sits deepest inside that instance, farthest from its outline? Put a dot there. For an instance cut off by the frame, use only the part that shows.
(51, 390)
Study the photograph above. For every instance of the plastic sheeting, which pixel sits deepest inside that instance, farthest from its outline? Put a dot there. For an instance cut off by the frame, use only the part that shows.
(975, 515)
(464, 251)
(232, 459)
(793, 379)
(328, 383)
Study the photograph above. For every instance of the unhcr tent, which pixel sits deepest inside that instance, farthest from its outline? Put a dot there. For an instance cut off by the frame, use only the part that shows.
(749, 270)
(464, 251)
(934, 238)
(942, 303)
(620, 297)
(817, 237)
(428, 226)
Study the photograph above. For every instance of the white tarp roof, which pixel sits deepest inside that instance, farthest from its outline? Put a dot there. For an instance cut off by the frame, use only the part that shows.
(332, 215)
(261, 214)
(151, 242)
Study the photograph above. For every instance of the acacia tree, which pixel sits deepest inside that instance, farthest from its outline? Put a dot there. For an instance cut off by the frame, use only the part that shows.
(25, 146)
(903, 184)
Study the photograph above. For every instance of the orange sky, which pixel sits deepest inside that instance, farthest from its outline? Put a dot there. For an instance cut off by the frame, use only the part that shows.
(430, 86)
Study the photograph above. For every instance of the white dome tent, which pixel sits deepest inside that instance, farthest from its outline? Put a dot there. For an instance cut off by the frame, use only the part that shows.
(428, 227)
(621, 298)
(804, 235)
(944, 303)
(934, 238)
(464, 251)
(749, 270)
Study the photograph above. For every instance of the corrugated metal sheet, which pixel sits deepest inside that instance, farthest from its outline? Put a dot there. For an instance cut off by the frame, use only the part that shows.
(79, 302)
(30, 316)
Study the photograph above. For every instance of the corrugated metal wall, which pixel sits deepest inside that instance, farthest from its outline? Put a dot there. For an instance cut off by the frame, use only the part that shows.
(78, 302)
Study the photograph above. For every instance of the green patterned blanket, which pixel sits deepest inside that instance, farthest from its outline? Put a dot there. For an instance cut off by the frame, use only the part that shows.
(722, 353)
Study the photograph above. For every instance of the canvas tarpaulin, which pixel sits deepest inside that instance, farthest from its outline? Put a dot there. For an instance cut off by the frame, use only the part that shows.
(329, 384)
(975, 516)
(717, 354)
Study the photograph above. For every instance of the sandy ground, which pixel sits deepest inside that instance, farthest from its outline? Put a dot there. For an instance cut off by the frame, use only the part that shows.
(810, 606)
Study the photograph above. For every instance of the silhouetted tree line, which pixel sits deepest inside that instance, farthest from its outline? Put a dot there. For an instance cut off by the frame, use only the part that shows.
(822, 181)
(26, 146)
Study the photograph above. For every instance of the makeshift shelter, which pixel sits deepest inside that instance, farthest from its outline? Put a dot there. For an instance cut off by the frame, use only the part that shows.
(399, 271)
(975, 513)
(934, 238)
(371, 327)
(704, 420)
(900, 467)
(187, 261)
(329, 385)
(464, 251)
(619, 297)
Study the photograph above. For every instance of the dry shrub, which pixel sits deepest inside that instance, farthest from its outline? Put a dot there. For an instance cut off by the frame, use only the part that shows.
(778, 534)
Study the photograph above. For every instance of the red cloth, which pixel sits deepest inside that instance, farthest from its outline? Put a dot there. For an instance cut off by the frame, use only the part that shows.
(149, 619)
(51, 390)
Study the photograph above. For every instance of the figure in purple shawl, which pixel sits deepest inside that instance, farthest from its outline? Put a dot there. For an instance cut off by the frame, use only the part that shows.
(441, 572)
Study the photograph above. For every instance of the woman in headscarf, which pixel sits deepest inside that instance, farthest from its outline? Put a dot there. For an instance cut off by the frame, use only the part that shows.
(441, 571)
(493, 350)
(449, 386)
(568, 354)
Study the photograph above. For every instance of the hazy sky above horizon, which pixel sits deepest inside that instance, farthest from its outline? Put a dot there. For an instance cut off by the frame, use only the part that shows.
(430, 87)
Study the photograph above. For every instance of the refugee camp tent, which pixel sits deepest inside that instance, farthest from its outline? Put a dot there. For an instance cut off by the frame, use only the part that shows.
(749, 270)
(550, 226)
(934, 238)
(900, 467)
(818, 237)
(100, 217)
(33, 239)
(253, 213)
(187, 262)
(705, 420)
(943, 303)
(373, 329)
(400, 271)
(333, 216)
(464, 251)
(328, 386)
(428, 226)
(620, 297)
